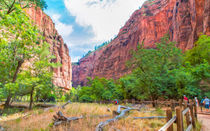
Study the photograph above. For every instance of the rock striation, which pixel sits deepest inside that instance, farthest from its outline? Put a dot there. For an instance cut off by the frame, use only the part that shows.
(183, 20)
(62, 75)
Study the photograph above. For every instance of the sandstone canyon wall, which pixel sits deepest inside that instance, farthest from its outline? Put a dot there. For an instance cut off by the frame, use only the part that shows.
(184, 20)
(62, 76)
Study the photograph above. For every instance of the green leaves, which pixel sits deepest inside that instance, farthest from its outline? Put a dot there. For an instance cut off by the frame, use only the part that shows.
(25, 59)
(200, 53)
(152, 67)
(164, 72)
(100, 89)
(9, 5)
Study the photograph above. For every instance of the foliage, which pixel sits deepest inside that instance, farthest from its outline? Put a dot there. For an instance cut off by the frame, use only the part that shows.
(72, 95)
(200, 53)
(97, 48)
(164, 72)
(197, 62)
(99, 89)
(153, 67)
(24, 57)
(9, 5)
(18, 44)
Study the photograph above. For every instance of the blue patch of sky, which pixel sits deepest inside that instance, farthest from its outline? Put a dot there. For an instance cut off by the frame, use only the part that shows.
(80, 35)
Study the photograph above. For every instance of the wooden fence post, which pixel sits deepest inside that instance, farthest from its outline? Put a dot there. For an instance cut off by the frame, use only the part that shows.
(180, 103)
(192, 115)
(187, 115)
(179, 120)
(168, 117)
(190, 101)
(172, 105)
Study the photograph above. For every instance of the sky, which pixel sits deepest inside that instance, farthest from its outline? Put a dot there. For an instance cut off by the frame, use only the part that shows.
(84, 24)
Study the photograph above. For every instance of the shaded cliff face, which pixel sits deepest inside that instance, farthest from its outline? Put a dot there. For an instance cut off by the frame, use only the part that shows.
(184, 20)
(62, 75)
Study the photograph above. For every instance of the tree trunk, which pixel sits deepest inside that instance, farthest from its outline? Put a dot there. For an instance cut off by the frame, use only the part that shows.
(31, 98)
(7, 103)
(17, 70)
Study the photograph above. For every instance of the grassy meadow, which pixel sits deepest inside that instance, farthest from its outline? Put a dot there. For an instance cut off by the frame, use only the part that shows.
(38, 119)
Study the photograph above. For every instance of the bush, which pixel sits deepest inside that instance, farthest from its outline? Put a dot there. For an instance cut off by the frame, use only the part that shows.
(85, 98)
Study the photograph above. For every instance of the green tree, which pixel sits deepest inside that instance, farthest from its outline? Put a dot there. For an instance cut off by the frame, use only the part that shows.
(9, 5)
(21, 42)
(200, 53)
(152, 68)
(39, 73)
(100, 89)
(18, 43)
(197, 63)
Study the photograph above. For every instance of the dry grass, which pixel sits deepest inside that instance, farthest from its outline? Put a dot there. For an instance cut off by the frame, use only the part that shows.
(40, 120)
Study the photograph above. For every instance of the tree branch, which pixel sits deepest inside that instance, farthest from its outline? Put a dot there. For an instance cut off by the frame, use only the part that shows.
(10, 8)
(6, 4)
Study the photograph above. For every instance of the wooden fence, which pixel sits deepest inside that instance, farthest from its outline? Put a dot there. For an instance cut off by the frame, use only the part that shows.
(182, 110)
(189, 111)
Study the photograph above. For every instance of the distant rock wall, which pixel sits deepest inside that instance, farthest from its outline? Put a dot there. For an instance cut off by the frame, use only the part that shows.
(62, 75)
(184, 20)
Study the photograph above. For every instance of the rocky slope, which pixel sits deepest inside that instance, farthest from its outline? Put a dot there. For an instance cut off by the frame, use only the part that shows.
(62, 75)
(184, 20)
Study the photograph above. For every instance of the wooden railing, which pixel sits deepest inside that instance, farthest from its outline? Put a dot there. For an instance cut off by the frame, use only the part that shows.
(190, 113)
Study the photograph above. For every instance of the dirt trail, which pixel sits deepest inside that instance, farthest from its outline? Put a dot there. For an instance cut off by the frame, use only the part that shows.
(205, 120)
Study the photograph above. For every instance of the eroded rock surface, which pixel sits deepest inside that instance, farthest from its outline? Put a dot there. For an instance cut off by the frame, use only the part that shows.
(184, 20)
(62, 75)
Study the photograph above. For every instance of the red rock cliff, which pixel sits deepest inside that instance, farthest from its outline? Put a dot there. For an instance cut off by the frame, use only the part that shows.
(62, 75)
(184, 20)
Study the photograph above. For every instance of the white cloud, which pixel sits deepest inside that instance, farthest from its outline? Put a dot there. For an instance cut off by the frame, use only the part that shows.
(105, 17)
(75, 59)
(63, 29)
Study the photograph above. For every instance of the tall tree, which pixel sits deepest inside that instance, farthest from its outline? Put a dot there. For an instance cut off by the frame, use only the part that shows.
(20, 41)
(152, 67)
(197, 62)
(200, 53)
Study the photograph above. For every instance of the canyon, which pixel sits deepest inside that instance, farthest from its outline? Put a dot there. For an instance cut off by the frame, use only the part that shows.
(183, 20)
(62, 75)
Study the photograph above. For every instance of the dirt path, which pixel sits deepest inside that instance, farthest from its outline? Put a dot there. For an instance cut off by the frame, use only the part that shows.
(205, 120)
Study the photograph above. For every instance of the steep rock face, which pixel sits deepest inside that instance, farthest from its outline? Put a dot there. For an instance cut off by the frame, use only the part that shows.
(183, 20)
(62, 75)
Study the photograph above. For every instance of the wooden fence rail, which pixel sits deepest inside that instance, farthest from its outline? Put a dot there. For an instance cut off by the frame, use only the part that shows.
(190, 113)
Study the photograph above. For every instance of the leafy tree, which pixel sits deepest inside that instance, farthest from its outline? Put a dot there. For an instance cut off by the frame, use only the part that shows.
(18, 43)
(163, 72)
(9, 5)
(100, 89)
(39, 74)
(85, 94)
(197, 63)
(127, 86)
(21, 43)
(153, 66)
(200, 53)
